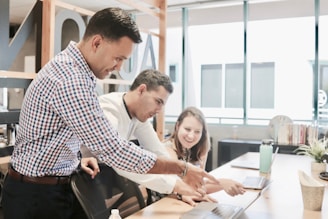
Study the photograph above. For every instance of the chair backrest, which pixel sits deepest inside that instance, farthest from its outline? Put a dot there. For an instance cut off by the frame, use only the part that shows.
(106, 191)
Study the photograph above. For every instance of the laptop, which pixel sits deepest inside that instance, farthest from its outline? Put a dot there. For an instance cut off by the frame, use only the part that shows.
(251, 164)
(255, 182)
(228, 207)
(248, 164)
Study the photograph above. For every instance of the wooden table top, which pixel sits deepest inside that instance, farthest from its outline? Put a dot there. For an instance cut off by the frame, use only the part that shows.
(282, 199)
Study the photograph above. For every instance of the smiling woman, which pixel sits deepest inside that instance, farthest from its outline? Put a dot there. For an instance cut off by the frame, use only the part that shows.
(190, 142)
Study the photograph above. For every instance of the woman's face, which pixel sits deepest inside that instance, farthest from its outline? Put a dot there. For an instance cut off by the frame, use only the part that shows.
(189, 132)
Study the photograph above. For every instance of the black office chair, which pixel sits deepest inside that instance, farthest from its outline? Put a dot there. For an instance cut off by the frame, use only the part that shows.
(106, 191)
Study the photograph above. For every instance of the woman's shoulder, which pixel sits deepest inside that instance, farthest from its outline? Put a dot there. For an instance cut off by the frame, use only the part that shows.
(169, 145)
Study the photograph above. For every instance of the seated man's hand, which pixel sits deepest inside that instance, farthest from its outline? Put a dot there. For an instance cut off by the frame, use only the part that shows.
(184, 189)
(195, 178)
(191, 200)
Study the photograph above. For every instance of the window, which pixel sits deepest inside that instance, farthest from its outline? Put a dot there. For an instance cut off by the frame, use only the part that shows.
(264, 67)
(215, 58)
(262, 85)
(173, 73)
(173, 107)
(211, 85)
(323, 65)
(283, 85)
(234, 84)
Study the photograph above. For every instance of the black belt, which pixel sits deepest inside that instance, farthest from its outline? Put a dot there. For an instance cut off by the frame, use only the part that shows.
(46, 180)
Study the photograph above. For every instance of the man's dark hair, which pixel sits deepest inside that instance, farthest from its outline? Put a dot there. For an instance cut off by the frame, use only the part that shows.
(153, 79)
(113, 24)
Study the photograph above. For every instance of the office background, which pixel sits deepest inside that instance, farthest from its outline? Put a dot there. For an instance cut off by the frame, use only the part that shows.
(241, 62)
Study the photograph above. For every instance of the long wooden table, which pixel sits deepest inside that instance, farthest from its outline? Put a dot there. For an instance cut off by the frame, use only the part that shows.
(282, 199)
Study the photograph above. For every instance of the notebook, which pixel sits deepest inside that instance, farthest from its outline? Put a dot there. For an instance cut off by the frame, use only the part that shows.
(228, 207)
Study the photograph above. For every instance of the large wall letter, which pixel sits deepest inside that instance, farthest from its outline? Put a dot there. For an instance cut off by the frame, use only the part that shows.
(10, 49)
(61, 17)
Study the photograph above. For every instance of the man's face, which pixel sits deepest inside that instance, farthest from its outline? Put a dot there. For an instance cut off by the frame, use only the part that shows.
(150, 103)
(109, 56)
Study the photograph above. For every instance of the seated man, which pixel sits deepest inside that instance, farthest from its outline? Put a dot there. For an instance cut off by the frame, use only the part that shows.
(129, 112)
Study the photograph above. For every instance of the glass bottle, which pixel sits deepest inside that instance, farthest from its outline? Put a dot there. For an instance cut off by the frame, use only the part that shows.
(115, 214)
(266, 155)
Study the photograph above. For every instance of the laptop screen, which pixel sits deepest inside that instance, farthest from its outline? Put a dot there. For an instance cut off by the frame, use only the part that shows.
(228, 207)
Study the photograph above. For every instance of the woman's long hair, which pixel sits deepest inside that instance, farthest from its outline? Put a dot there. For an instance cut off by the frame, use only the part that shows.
(200, 148)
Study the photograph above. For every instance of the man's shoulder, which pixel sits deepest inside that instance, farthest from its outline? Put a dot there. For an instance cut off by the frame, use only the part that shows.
(111, 97)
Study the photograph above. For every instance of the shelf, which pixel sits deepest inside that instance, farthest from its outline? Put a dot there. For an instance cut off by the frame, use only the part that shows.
(229, 149)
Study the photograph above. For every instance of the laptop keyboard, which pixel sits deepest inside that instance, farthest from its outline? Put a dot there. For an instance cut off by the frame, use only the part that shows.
(226, 211)
(208, 210)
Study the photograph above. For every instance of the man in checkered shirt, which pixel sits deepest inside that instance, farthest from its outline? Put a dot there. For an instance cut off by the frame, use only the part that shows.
(60, 112)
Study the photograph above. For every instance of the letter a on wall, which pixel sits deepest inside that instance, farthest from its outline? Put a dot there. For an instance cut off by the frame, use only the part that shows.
(149, 50)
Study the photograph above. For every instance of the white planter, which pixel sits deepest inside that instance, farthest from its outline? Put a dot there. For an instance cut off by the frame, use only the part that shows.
(318, 167)
(312, 192)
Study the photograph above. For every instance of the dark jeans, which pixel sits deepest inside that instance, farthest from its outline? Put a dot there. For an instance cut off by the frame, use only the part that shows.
(22, 200)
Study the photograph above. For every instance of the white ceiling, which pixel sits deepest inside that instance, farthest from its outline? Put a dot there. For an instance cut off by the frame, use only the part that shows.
(20, 8)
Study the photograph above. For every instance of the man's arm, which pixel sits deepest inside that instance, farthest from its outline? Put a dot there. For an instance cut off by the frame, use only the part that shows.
(162, 183)
(149, 140)
(190, 174)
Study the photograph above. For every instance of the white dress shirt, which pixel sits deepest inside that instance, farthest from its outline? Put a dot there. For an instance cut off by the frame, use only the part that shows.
(114, 109)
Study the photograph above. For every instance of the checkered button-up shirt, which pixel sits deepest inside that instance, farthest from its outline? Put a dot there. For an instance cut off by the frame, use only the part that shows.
(60, 112)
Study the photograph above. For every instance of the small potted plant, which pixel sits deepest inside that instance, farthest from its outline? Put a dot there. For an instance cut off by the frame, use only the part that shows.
(318, 150)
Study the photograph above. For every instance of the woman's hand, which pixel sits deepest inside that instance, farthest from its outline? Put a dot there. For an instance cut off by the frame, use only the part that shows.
(90, 166)
(232, 187)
